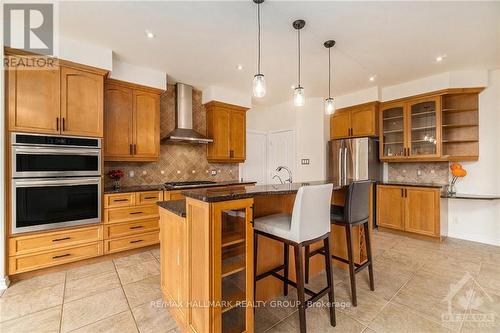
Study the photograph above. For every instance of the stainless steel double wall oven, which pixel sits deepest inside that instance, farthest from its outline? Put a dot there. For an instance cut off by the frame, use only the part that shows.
(56, 181)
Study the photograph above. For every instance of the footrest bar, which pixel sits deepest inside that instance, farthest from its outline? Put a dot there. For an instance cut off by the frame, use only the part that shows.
(268, 273)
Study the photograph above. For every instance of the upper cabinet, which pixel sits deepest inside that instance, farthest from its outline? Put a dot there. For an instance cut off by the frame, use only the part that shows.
(441, 126)
(226, 125)
(67, 99)
(355, 121)
(132, 122)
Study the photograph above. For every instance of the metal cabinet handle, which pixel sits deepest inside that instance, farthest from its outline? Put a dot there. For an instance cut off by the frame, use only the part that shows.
(135, 213)
(61, 256)
(64, 124)
(135, 241)
(61, 239)
(131, 150)
(117, 200)
(402, 192)
(57, 123)
(151, 197)
(137, 227)
(406, 193)
(135, 149)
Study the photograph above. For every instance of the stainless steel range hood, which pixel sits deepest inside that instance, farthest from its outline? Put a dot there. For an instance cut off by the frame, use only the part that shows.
(183, 131)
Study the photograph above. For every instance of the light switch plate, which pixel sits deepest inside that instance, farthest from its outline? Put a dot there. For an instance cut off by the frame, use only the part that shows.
(304, 161)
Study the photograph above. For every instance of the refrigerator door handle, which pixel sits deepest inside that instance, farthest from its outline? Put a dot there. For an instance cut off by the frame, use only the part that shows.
(341, 170)
(345, 167)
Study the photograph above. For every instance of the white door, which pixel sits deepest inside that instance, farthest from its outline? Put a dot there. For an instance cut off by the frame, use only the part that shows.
(255, 166)
(281, 152)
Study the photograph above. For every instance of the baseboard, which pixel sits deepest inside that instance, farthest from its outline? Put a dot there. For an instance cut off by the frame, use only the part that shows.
(4, 283)
(475, 238)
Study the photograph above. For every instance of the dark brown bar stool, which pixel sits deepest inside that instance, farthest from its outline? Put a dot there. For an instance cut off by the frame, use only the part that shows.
(308, 224)
(355, 212)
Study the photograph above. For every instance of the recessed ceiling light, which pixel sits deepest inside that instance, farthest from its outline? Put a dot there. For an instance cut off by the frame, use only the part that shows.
(440, 58)
(149, 34)
(372, 78)
(239, 67)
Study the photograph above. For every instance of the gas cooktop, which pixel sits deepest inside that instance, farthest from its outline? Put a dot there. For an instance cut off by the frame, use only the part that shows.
(195, 183)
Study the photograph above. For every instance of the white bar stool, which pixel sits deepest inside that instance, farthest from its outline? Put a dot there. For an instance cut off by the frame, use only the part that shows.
(309, 223)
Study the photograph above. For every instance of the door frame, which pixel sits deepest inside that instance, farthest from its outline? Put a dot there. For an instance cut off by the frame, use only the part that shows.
(294, 151)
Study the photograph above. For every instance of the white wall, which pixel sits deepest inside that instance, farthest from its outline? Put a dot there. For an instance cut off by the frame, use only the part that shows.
(480, 220)
(140, 75)
(215, 93)
(308, 122)
(83, 53)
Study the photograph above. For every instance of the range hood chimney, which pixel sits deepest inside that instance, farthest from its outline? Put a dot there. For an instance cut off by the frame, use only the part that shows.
(183, 131)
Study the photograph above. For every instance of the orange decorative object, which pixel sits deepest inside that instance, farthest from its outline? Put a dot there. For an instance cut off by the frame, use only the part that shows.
(459, 173)
(455, 166)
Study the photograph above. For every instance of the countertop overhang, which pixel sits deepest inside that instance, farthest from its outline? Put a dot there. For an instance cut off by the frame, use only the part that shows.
(163, 187)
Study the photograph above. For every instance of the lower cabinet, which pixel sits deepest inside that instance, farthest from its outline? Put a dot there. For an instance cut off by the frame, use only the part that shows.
(41, 250)
(207, 266)
(411, 209)
(131, 220)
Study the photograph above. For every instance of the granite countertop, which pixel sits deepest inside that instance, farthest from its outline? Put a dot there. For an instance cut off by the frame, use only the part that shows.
(177, 207)
(216, 195)
(163, 187)
(470, 196)
(414, 184)
(138, 188)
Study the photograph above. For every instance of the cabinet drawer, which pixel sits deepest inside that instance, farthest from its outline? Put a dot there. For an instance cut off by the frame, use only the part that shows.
(145, 198)
(130, 214)
(131, 242)
(53, 240)
(19, 264)
(119, 200)
(130, 228)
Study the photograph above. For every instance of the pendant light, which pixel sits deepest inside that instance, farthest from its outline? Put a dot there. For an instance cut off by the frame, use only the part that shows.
(299, 97)
(329, 105)
(259, 82)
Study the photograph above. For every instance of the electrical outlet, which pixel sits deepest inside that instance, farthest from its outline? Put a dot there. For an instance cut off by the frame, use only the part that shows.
(419, 172)
(213, 173)
(304, 161)
(131, 173)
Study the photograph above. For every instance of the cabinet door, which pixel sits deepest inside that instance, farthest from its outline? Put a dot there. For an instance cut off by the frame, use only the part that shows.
(218, 127)
(118, 123)
(339, 125)
(237, 136)
(363, 121)
(81, 102)
(33, 100)
(424, 136)
(390, 207)
(146, 126)
(393, 133)
(422, 211)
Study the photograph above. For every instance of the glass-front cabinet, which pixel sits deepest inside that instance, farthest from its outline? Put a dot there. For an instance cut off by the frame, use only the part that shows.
(392, 140)
(233, 266)
(423, 130)
(411, 129)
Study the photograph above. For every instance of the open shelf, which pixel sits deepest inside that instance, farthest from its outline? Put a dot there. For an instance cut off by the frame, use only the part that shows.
(233, 265)
(459, 141)
(393, 118)
(393, 143)
(459, 110)
(459, 125)
(393, 131)
(232, 238)
(423, 128)
(422, 114)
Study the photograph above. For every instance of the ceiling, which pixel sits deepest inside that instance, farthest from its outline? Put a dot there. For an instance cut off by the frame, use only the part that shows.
(201, 43)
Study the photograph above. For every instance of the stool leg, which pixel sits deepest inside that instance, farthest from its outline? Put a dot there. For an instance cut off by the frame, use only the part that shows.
(255, 252)
(299, 274)
(285, 270)
(307, 263)
(329, 280)
(366, 227)
(352, 276)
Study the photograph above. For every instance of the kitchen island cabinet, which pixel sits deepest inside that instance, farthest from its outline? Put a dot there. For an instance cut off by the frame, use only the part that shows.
(214, 245)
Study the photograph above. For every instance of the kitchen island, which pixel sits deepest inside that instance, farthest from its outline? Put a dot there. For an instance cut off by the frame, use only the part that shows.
(207, 253)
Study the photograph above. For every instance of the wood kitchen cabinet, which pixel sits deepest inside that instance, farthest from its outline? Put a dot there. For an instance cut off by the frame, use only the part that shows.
(132, 122)
(410, 209)
(65, 99)
(355, 121)
(226, 125)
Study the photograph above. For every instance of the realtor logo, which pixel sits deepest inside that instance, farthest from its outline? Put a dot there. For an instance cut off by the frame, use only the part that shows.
(29, 27)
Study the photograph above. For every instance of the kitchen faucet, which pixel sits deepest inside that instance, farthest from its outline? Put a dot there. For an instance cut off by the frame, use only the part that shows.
(279, 178)
(278, 169)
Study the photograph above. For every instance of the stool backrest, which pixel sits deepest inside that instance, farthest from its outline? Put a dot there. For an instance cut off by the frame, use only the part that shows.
(357, 202)
(311, 212)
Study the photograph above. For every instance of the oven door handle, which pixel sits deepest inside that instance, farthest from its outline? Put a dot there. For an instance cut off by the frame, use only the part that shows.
(56, 182)
(52, 151)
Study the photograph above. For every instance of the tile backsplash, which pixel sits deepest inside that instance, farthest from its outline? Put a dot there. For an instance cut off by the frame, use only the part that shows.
(178, 162)
(428, 172)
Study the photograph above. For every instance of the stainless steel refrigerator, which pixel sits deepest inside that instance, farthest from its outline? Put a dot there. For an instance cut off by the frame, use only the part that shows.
(354, 159)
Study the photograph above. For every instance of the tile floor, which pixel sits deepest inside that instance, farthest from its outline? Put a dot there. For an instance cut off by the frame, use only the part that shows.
(420, 286)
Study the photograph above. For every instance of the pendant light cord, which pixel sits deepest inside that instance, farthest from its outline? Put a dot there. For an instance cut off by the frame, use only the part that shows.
(329, 72)
(258, 37)
(298, 39)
